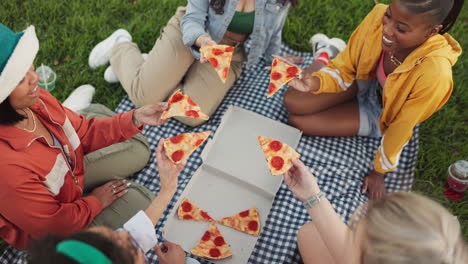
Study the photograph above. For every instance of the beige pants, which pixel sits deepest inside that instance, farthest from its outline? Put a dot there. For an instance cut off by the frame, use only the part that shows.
(115, 162)
(170, 66)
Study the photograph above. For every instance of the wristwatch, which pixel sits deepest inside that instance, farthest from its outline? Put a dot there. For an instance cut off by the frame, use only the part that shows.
(313, 200)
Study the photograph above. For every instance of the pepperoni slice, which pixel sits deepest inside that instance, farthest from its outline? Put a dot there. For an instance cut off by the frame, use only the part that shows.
(271, 88)
(177, 139)
(177, 155)
(205, 215)
(292, 71)
(177, 97)
(275, 62)
(253, 225)
(213, 61)
(229, 49)
(186, 207)
(217, 52)
(225, 73)
(192, 113)
(199, 142)
(219, 241)
(206, 236)
(277, 162)
(214, 253)
(191, 102)
(276, 76)
(188, 217)
(275, 145)
(244, 213)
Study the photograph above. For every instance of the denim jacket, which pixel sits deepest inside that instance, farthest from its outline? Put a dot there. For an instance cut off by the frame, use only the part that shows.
(270, 15)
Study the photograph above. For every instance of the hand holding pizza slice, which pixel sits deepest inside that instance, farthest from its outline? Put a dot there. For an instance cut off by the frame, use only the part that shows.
(212, 245)
(188, 211)
(246, 221)
(282, 72)
(278, 155)
(181, 146)
(182, 105)
(220, 57)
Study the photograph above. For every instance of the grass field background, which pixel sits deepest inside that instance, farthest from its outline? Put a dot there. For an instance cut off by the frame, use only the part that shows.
(68, 30)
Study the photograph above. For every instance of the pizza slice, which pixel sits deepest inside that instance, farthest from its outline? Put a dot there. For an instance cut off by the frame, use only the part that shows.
(220, 57)
(246, 221)
(282, 72)
(212, 245)
(188, 211)
(181, 146)
(182, 105)
(278, 155)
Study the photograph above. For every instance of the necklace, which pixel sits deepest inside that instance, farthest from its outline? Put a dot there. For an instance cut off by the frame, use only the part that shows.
(395, 60)
(34, 121)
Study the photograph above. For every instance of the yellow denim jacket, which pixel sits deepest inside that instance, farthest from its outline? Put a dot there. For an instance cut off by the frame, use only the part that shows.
(417, 88)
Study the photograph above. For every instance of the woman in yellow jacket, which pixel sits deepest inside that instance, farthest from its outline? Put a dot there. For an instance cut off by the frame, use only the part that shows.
(395, 73)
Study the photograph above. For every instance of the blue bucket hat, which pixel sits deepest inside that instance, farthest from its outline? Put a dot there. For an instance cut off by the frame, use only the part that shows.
(17, 54)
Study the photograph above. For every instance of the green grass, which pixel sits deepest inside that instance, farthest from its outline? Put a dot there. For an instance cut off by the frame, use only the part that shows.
(68, 30)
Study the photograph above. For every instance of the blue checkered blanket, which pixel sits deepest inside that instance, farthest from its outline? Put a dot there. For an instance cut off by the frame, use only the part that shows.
(339, 163)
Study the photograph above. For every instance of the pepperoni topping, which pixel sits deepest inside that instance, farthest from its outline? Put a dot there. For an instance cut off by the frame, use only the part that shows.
(205, 215)
(225, 73)
(199, 142)
(277, 162)
(244, 213)
(192, 113)
(219, 241)
(214, 253)
(206, 236)
(275, 145)
(177, 155)
(191, 102)
(275, 62)
(217, 52)
(213, 61)
(292, 71)
(186, 207)
(188, 217)
(276, 76)
(271, 88)
(177, 139)
(253, 225)
(177, 97)
(229, 49)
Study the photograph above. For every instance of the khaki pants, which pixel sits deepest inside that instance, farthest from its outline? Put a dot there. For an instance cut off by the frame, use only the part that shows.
(170, 66)
(114, 162)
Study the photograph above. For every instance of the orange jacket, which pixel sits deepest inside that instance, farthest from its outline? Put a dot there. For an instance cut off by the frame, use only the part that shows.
(40, 191)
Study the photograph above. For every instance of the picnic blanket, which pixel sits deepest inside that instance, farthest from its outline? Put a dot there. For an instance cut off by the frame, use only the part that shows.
(339, 163)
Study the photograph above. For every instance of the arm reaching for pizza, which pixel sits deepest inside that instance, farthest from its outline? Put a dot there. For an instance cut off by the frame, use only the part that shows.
(149, 115)
(168, 173)
(307, 83)
(202, 41)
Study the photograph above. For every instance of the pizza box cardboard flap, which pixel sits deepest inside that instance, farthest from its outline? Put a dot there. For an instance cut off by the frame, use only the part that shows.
(234, 177)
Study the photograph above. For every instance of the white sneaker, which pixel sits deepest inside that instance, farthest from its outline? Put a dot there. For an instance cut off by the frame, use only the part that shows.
(102, 51)
(80, 98)
(110, 76)
(321, 43)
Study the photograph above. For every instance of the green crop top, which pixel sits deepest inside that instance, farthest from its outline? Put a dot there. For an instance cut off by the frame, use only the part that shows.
(242, 22)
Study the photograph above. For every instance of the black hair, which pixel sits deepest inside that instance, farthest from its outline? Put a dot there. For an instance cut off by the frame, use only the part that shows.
(218, 5)
(443, 12)
(43, 251)
(8, 115)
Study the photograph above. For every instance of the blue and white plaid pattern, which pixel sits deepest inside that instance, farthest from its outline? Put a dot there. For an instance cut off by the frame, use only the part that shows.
(339, 163)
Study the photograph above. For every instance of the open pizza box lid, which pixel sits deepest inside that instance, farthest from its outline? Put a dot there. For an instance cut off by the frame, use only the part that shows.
(234, 177)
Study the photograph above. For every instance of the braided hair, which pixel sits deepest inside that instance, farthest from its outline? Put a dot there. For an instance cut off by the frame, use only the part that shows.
(218, 5)
(442, 12)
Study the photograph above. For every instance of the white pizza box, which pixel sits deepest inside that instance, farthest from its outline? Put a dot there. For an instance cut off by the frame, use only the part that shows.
(234, 177)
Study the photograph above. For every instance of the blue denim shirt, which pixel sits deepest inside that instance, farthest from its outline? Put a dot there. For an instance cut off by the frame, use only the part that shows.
(270, 15)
